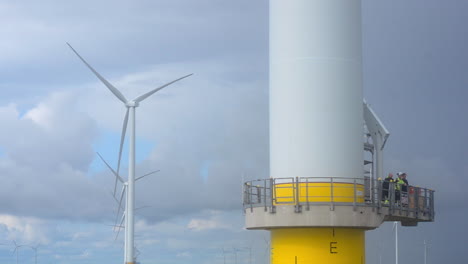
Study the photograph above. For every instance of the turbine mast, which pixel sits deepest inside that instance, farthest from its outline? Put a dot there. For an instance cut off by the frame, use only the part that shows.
(131, 188)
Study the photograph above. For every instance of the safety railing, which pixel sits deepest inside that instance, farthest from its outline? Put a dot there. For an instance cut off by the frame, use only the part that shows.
(304, 192)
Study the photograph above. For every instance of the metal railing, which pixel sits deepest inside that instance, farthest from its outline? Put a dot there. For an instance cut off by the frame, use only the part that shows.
(304, 192)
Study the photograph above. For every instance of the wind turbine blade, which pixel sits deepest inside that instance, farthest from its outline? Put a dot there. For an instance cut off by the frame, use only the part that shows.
(142, 207)
(114, 90)
(121, 197)
(122, 140)
(115, 198)
(110, 168)
(120, 204)
(116, 221)
(121, 223)
(147, 174)
(16, 246)
(148, 94)
(116, 226)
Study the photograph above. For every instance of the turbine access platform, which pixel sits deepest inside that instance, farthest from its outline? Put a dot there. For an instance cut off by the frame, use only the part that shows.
(325, 188)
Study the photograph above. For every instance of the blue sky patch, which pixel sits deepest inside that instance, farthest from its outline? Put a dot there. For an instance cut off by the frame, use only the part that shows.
(108, 146)
(204, 170)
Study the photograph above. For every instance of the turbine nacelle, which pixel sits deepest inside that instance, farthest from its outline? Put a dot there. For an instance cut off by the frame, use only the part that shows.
(132, 104)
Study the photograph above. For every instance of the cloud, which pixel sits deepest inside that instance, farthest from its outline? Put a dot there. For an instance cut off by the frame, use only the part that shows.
(47, 152)
(145, 33)
(184, 255)
(25, 230)
(53, 126)
(207, 224)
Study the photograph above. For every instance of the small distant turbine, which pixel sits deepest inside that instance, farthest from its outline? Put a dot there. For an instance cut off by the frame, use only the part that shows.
(235, 250)
(395, 227)
(16, 250)
(380, 252)
(426, 246)
(35, 253)
(129, 185)
(224, 255)
(267, 249)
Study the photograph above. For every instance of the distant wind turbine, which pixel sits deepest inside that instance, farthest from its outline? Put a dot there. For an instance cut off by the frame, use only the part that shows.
(395, 227)
(16, 250)
(426, 246)
(35, 253)
(380, 252)
(235, 250)
(267, 249)
(129, 185)
(224, 255)
(250, 252)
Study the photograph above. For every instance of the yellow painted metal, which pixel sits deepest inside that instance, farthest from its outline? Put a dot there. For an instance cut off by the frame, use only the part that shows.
(289, 193)
(317, 245)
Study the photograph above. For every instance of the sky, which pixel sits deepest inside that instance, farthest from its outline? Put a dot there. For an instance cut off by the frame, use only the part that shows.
(208, 132)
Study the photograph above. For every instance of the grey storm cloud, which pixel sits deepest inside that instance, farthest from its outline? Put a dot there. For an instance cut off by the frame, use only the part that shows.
(46, 153)
(135, 35)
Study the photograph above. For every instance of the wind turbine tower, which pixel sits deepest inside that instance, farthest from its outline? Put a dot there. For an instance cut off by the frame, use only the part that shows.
(318, 202)
(129, 185)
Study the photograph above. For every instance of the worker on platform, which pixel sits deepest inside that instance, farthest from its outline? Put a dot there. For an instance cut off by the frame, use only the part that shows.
(403, 177)
(386, 188)
(402, 186)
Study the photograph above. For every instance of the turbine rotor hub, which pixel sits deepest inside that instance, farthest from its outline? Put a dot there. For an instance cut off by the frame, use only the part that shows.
(132, 104)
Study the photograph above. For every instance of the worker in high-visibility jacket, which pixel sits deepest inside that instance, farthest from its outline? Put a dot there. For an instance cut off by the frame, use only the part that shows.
(386, 188)
(402, 187)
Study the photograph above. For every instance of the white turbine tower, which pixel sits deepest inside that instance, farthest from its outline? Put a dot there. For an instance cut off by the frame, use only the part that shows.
(129, 185)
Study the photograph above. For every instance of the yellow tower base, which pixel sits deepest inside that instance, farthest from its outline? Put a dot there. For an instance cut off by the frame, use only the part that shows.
(317, 245)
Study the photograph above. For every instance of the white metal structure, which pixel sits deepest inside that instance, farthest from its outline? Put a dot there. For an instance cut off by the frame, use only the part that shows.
(129, 185)
(315, 89)
(379, 136)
